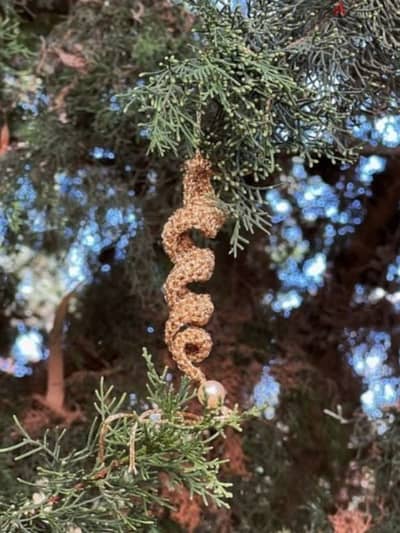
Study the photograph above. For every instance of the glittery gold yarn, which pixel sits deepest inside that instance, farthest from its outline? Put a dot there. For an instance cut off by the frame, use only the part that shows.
(186, 339)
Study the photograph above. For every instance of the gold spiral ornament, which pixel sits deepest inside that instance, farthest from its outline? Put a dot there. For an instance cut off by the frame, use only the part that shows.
(185, 336)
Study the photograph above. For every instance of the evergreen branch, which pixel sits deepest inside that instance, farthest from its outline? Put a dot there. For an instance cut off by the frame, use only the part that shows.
(95, 485)
(265, 80)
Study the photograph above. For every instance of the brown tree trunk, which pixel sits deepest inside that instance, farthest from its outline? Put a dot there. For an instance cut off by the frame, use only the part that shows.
(55, 393)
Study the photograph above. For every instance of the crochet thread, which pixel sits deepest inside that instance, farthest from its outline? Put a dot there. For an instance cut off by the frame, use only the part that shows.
(185, 337)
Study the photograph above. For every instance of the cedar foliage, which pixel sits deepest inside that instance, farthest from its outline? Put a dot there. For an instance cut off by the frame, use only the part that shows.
(252, 84)
(74, 489)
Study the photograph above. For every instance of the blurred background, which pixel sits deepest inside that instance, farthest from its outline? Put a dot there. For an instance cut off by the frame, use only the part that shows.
(307, 317)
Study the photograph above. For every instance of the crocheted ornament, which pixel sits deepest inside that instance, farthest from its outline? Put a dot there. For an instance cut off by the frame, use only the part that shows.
(185, 337)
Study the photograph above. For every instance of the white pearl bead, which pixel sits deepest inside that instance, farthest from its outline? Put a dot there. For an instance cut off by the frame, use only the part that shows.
(211, 394)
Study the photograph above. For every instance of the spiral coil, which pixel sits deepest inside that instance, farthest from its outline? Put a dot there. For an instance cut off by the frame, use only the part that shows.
(185, 337)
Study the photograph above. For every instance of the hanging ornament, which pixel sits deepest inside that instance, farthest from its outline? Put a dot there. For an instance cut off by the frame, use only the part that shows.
(185, 336)
(339, 9)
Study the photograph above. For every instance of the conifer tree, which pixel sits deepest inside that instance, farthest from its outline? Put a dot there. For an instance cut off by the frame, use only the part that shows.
(102, 103)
